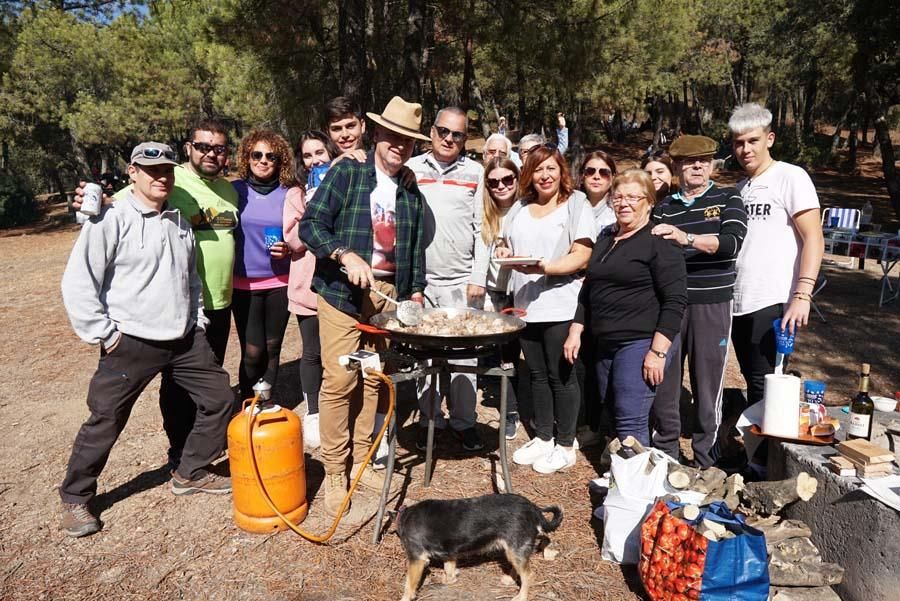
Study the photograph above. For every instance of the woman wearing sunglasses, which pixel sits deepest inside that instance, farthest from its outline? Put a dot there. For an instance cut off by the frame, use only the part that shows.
(313, 154)
(550, 223)
(633, 299)
(660, 167)
(501, 179)
(262, 261)
(596, 175)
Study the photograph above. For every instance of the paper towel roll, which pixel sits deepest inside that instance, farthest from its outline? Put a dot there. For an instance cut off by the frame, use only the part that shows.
(781, 416)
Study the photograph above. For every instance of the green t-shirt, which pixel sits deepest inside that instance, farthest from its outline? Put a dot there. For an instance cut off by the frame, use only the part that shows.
(211, 207)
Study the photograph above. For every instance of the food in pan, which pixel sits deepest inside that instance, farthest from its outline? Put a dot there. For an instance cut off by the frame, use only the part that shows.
(466, 324)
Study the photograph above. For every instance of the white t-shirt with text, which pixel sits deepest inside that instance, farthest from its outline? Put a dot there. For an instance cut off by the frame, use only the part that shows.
(769, 262)
(383, 202)
(543, 297)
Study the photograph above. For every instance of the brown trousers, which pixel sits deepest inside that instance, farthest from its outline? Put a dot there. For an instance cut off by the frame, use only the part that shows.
(347, 405)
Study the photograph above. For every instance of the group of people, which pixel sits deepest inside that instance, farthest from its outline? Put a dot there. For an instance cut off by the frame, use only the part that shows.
(632, 273)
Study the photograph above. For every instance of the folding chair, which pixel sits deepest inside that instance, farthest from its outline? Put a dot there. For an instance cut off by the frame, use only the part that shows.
(847, 221)
(890, 257)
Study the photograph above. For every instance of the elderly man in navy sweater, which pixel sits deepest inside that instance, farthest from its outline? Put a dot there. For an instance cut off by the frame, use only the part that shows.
(710, 223)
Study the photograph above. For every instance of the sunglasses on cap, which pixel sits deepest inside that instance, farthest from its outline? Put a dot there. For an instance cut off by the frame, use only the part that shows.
(155, 153)
(443, 132)
(204, 148)
(547, 145)
(602, 171)
(506, 180)
(256, 155)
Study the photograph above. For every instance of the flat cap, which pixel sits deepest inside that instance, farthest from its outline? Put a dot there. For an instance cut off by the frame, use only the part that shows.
(692, 147)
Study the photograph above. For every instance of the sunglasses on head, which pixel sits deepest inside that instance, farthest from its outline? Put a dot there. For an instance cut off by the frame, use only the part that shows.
(603, 171)
(270, 156)
(204, 148)
(547, 145)
(155, 153)
(443, 132)
(506, 180)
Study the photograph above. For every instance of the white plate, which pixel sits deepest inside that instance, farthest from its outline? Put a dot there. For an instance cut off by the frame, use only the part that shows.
(886, 401)
(518, 261)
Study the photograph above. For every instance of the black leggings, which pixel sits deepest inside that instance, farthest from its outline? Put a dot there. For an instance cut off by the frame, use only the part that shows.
(310, 361)
(260, 317)
(554, 385)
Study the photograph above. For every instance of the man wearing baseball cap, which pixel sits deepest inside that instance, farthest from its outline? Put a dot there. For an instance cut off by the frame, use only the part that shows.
(367, 219)
(131, 286)
(710, 224)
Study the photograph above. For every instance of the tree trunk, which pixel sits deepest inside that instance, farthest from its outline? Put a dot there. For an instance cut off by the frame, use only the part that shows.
(481, 107)
(809, 102)
(853, 140)
(521, 86)
(782, 115)
(413, 47)
(356, 77)
(698, 110)
(836, 138)
(795, 107)
(891, 180)
(468, 65)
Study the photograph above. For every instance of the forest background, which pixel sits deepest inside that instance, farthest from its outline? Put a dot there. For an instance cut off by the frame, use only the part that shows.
(85, 80)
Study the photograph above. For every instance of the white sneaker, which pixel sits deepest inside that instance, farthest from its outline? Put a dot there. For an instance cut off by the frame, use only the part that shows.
(379, 462)
(560, 458)
(311, 438)
(533, 450)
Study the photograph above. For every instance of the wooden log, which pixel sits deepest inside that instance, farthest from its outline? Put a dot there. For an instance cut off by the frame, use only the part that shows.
(630, 442)
(819, 593)
(762, 521)
(784, 530)
(805, 574)
(769, 498)
(795, 550)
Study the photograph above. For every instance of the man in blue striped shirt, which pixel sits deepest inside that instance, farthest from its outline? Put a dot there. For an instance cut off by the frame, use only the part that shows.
(710, 223)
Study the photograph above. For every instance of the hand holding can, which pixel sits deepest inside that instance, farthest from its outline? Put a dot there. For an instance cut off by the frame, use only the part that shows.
(92, 200)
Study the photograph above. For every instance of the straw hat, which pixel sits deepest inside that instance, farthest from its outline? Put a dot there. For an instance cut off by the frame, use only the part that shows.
(404, 118)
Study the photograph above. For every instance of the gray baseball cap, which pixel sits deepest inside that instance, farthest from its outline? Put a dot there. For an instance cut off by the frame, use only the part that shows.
(153, 153)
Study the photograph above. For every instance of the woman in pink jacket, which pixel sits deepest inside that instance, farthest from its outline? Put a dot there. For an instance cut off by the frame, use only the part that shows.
(314, 151)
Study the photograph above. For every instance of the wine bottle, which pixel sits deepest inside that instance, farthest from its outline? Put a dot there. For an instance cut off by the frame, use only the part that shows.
(861, 409)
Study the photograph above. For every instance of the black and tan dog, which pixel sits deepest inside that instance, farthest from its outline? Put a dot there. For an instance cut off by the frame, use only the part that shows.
(446, 530)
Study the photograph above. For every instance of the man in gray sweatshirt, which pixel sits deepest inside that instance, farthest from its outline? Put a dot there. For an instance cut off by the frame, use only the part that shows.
(449, 180)
(131, 286)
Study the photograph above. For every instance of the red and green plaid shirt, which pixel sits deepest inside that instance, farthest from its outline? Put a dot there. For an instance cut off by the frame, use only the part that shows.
(340, 214)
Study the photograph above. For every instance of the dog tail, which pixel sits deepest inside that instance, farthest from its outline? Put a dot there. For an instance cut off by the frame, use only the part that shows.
(551, 525)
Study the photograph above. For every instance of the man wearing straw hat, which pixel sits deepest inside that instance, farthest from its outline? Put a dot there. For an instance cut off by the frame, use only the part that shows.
(367, 219)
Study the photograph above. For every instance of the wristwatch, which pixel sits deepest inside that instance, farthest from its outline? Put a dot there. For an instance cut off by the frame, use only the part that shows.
(659, 354)
(339, 253)
(690, 239)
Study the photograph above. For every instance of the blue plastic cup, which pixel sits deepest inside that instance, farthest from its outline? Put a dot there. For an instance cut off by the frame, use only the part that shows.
(784, 340)
(272, 235)
(814, 391)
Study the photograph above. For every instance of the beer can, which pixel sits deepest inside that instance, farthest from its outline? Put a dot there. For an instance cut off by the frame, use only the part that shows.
(92, 201)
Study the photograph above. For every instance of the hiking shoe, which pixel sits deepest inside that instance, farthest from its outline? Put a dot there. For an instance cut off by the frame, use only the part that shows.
(311, 439)
(561, 458)
(469, 438)
(370, 479)
(207, 482)
(512, 426)
(77, 521)
(533, 450)
(335, 491)
(422, 438)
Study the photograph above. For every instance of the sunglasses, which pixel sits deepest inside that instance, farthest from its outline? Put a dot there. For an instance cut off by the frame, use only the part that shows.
(155, 153)
(590, 171)
(270, 156)
(506, 180)
(443, 132)
(204, 148)
(547, 145)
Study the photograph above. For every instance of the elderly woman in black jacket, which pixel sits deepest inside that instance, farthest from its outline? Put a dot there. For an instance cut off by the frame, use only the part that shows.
(633, 297)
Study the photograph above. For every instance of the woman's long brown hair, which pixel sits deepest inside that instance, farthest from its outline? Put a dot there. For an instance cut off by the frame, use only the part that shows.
(490, 221)
(535, 158)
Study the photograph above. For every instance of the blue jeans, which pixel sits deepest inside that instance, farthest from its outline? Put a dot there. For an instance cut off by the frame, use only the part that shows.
(621, 380)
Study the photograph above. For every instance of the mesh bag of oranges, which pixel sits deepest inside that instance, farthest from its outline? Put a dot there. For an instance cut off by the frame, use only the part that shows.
(707, 553)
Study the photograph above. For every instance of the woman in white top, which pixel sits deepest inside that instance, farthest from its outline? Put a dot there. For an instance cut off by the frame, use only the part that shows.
(596, 173)
(501, 187)
(547, 223)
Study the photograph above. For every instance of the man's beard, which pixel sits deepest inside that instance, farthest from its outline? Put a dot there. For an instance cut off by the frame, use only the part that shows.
(207, 169)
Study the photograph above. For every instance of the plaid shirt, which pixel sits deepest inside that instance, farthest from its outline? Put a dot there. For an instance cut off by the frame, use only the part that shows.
(340, 214)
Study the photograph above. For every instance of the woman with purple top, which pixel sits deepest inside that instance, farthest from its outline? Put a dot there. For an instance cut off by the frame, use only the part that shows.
(262, 261)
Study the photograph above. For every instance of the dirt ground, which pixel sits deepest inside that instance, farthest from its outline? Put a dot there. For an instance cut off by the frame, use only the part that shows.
(154, 545)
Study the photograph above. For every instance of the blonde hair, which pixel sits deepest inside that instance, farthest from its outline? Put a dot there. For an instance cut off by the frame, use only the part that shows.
(490, 221)
(635, 176)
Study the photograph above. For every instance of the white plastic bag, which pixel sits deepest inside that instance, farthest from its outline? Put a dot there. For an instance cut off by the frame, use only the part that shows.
(634, 486)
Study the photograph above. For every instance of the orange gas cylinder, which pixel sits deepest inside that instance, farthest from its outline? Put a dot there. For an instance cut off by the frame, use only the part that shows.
(277, 439)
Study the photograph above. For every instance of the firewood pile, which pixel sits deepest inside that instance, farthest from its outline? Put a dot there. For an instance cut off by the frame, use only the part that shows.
(796, 569)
